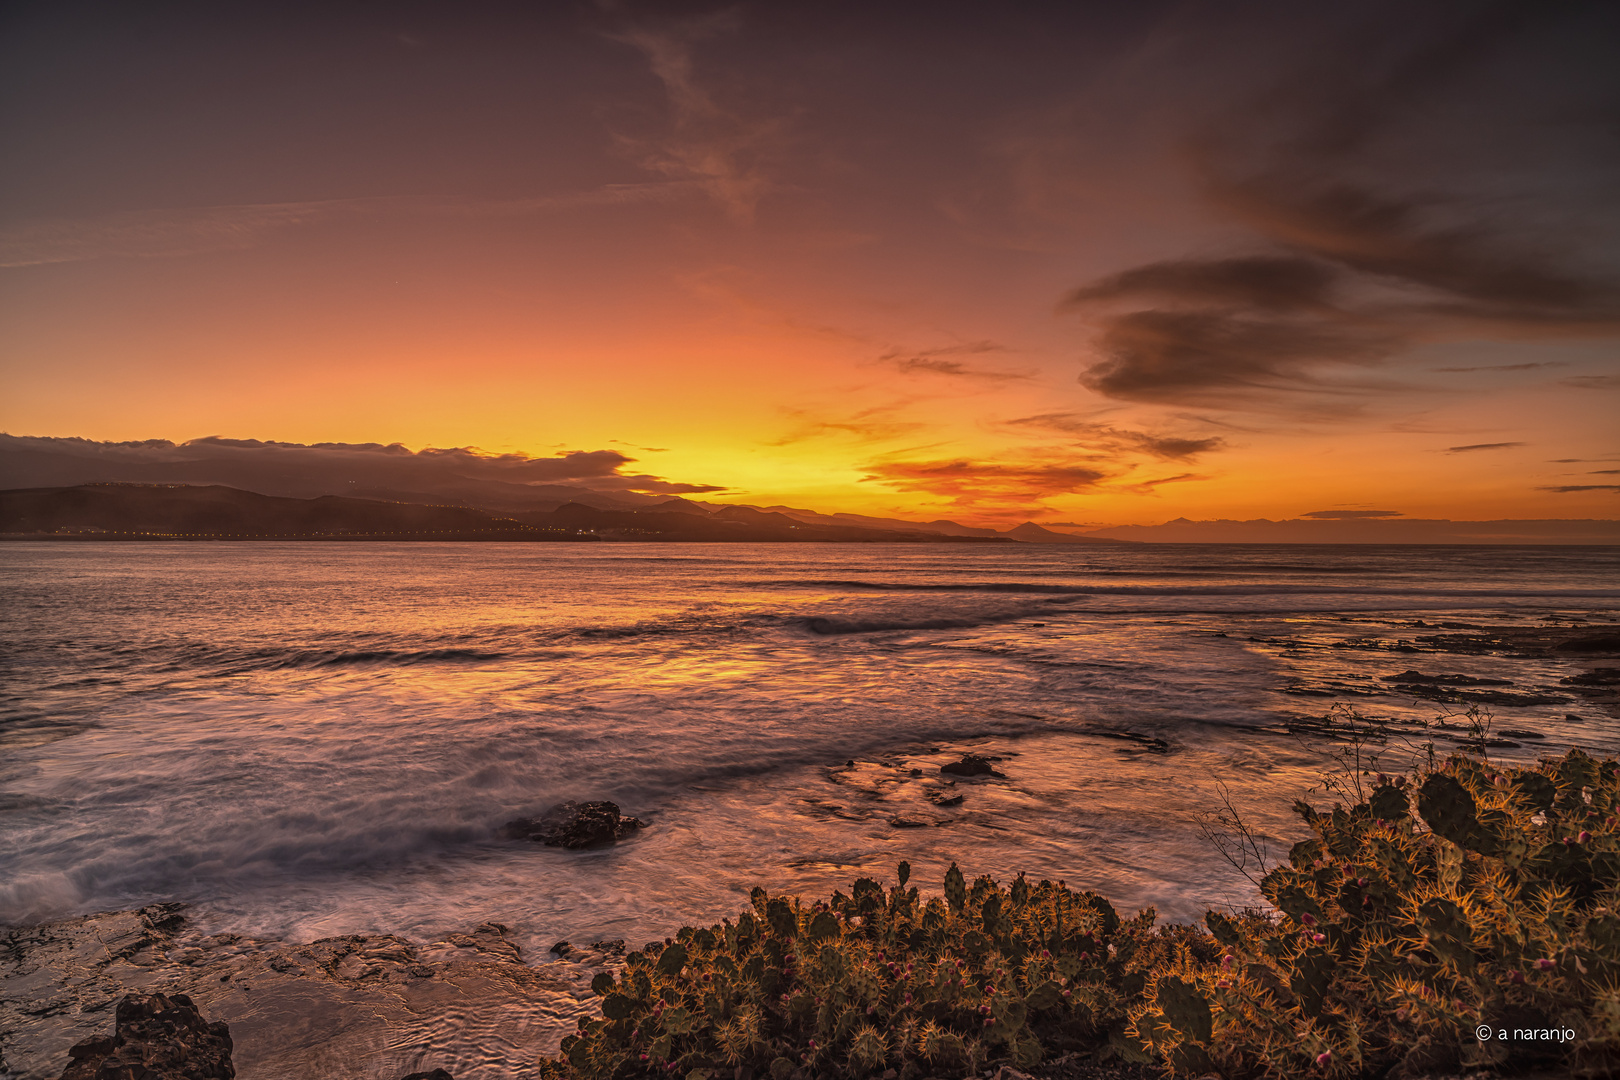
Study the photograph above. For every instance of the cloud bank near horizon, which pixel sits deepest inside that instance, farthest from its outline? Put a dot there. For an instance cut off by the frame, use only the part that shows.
(277, 468)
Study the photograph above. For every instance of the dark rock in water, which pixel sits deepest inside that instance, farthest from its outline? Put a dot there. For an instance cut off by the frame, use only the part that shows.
(1603, 676)
(573, 825)
(971, 765)
(1410, 677)
(156, 1038)
(436, 1074)
(1592, 643)
(944, 798)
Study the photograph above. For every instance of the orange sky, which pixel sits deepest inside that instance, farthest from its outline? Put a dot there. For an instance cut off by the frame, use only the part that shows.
(1077, 266)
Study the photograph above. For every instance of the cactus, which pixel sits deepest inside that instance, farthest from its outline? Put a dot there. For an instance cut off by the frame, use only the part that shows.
(955, 891)
(1386, 938)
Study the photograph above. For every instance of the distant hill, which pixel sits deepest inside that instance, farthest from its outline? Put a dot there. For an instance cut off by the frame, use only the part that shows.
(123, 511)
(165, 512)
(1389, 530)
(1031, 533)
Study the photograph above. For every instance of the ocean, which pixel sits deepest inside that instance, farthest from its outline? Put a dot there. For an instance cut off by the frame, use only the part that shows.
(304, 740)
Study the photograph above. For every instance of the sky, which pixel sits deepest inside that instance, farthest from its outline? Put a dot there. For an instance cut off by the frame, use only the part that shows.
(1099, 264)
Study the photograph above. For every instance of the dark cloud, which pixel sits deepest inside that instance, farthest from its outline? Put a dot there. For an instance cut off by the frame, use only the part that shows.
(1353, 260)
(305, 470)
(1267, 282)
(1351, 515)
(1593, 382)
(1566, 488)
(1604, 472)
(1483, 446)
(1214, 356)
(1105, 439)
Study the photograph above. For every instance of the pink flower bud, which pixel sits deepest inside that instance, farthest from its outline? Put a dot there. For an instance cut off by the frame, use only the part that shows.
(1228, 961)
(988, 1022)
(1308, 919)
(1223, 983)
(1584, 837)
(1319, 938)
(1323, 1058)
(1545, 965)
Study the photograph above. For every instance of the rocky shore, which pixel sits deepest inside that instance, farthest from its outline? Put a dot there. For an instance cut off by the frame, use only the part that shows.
(373, 1007)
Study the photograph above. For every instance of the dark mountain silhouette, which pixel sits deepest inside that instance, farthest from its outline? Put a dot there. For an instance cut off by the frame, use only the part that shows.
(156, 512)
(1031, 533)
(123, 511)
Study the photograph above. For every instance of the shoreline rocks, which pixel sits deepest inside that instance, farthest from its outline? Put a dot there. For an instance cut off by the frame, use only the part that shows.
(574, 826)
(972, 765)
(159, 1036)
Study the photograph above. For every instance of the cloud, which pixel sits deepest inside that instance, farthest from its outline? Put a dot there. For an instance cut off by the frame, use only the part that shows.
(728, 153)
(1566, 488)
(982, 484)
(199, 229)
(1483, 446)
(1102, 438)
(1502, 367)
(305, 470)
(937, 362)
(1268, 282)
(1593, 382)
(1149, 487)
(1603, 472)
(1349, 515)
(1348, 262)
(876, 424)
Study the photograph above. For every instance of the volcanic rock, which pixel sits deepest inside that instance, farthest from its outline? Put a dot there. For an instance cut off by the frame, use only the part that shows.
(574, 826)
(971, 765)
(156, 1038)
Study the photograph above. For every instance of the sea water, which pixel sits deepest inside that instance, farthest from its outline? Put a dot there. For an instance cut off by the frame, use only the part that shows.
(305, 740)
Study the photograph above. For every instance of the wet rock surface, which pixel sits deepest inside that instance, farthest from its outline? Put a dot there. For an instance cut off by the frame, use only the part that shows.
(971, 765)
(156, 1037)
(359, 1007)
(574, 826)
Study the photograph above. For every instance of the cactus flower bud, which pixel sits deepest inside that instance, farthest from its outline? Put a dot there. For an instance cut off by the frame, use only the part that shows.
(1361, 883)
(1545, 964)
(1228, 961)
(1046, 954)
(1323, 1058)
(1319, 938)
(1068, 993)
(908, 999)
(871, 1010)
(812, 1044)
(1584, 837)
(1517, 978)
(988, 1021)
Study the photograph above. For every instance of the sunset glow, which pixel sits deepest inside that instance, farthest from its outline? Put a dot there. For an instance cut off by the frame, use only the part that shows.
(1084, 267)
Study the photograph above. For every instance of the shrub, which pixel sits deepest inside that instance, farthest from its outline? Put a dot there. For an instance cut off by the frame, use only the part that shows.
(1389, 944)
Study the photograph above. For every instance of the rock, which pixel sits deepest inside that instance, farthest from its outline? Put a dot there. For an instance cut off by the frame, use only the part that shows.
(971, 765)
(573, 825)
(436, 1074)
(1591, 643)
(156, 1038)
(1603, 676)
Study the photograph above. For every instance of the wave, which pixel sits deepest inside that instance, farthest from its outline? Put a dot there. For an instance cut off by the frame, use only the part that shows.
(295, 659)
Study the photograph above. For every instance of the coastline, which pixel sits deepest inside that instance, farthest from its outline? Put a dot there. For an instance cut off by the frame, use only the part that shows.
(343, 1008)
